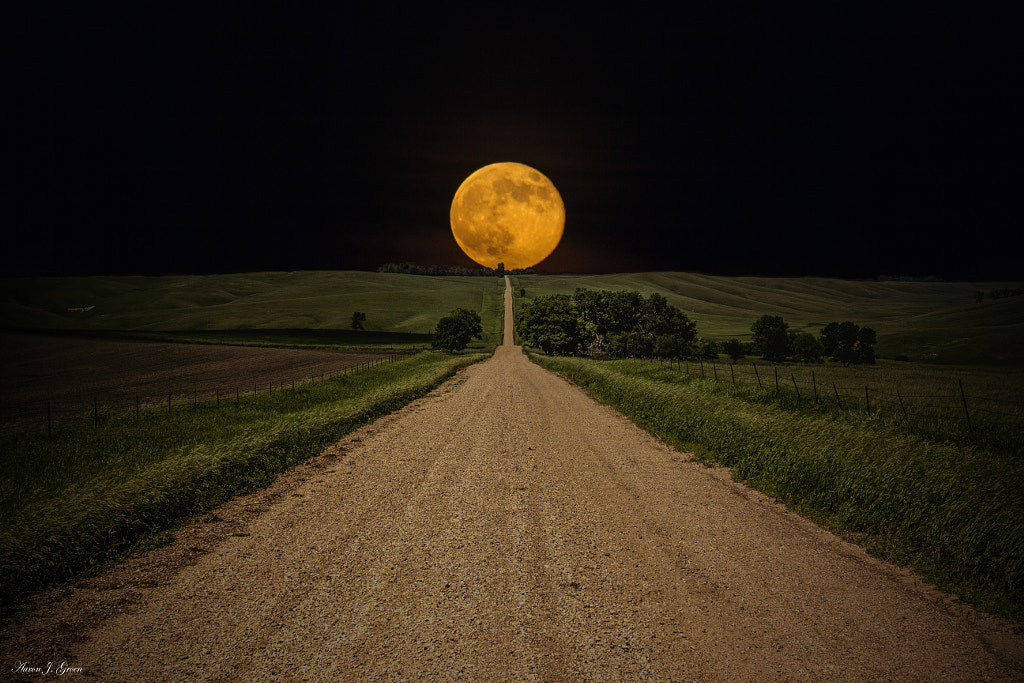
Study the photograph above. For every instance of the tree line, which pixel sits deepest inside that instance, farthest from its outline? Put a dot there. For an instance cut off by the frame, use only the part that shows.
(626, 324)
(437, 271)
(621, 323)
(845, 342)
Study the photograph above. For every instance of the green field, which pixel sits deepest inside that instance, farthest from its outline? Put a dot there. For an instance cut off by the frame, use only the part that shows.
(314, 300)
(935, 322)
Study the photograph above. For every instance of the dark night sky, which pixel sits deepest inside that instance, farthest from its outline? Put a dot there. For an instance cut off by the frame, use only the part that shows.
(838, 141)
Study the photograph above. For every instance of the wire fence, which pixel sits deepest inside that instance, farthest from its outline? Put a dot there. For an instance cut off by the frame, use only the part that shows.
(47, 414)
(954, 403)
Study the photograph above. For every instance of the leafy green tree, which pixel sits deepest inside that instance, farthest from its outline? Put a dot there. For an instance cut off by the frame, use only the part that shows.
(553, 324)
(455, 330)
(668, 346)
(626, 324)
(357, 320)
(849, 343)
(734, 349)
(830, 339)
(866, 339)
(808, 348)
(771, 338)
(625, 310)
(707, 350)
(670, 320)
(593, 309)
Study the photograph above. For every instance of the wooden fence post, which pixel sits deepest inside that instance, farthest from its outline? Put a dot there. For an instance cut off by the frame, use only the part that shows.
(776, 369)
(732, 373)
(136, 406)
(168, 403)
(963, 398)
(905, 416)
(795, 387)
(759, 386)
(837, 395)
(95, 411)
(867, 400)
(814, 386)
(715, 368)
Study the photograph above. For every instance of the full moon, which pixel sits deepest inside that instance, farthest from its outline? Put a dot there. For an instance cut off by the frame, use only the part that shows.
(507, 213)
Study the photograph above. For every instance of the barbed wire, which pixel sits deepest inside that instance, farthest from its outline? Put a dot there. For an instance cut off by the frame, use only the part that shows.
(959, 404)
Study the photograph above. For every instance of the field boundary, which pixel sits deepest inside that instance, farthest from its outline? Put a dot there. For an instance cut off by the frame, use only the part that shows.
(969, 410)
(45, 415)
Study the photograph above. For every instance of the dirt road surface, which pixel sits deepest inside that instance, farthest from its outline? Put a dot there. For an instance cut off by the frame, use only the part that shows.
(507, 528)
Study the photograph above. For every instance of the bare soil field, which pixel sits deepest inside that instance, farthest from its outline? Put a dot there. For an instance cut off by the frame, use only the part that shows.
(507, 527)
(71, 371)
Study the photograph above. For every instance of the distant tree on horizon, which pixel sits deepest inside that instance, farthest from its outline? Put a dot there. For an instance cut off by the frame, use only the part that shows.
(357, 320)
(734, 349)
(771, 338)
(807, 348)
(849, 343)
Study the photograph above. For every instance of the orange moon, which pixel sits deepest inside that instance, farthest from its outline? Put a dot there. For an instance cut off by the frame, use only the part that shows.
(507, 213)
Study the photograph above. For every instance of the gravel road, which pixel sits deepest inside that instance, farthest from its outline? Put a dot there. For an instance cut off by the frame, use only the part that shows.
(505, 528)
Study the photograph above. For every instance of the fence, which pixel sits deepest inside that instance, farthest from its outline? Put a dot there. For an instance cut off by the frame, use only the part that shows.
(46, 414)
(952, 404)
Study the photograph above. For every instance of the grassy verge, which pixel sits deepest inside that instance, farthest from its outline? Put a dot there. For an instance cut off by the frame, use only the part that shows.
(72, 502)
(951, 511)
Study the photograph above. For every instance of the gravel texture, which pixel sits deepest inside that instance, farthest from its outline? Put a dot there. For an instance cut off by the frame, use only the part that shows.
(508, 527)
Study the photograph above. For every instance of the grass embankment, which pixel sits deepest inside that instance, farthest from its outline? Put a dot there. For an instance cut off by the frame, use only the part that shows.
(74, 501)
(304, 300)
(951, 510)
(934, 322)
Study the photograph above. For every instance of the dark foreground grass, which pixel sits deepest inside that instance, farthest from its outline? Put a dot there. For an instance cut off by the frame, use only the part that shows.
(952, 511)
(72, 502)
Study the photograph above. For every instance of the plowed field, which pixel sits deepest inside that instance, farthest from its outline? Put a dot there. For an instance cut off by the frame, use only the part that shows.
(74, 374)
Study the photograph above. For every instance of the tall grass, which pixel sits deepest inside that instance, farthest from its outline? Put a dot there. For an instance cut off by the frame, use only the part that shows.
(73, 501)
(952, 511)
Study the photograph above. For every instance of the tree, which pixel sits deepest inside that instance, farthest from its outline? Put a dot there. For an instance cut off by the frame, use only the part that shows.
(866, 339)
(734, 349)
(707, 350)
(849, 343)
(626, 324)
(357, 320)
(830, 338)
(553, 324)
(807, 348)
(771, 338)
(667, 346)
(454, 331)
